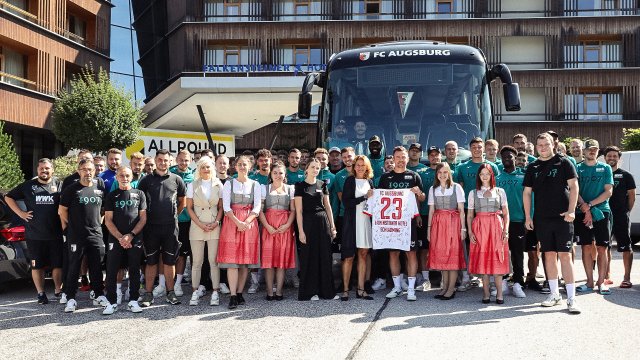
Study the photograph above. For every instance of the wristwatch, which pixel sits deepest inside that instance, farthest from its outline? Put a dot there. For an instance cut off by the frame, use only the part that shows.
(132, 233)
(590, 205)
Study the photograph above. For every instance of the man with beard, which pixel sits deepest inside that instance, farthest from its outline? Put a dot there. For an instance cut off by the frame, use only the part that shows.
(149, 165)
(335, 160)
(114, 159)
(339, 136)
(451, 156)
(415, 154)
(305, 155)
(375, 157)
(100, 164)
(359, 142)
(294, 173)
(519, 142)
(43, 232)
(575, 149)
(136, 163)
(621, 203)
(82, 154)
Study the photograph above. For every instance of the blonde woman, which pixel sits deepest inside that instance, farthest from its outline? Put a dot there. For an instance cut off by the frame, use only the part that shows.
(277, 216)
(446, 229)
(204, 205)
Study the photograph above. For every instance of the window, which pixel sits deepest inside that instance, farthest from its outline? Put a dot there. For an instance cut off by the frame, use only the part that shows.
(232, 7)
(594, 105)
(444, 6)
(76, 29)
(371, 9)
(305, 54)
(231, 55)
(302, 7)
(593, 54)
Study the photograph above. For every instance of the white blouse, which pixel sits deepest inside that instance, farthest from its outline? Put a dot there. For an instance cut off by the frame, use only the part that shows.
(447, 192)
(495, 193)
(205, 187)
(241, 189)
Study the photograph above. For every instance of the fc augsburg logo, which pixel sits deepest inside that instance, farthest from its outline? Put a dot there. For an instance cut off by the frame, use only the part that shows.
(404, 99)
(364, 56)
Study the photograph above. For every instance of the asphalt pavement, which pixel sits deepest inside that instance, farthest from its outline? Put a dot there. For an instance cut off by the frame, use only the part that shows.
(328, 329)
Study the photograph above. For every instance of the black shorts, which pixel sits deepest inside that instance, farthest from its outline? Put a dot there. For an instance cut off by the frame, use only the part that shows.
(621, 231)
(45, 253)
(531, 241)
(517, 235)
(601, 231)
(423, 243)
(554, 234)
(183, 237)
(159, 239)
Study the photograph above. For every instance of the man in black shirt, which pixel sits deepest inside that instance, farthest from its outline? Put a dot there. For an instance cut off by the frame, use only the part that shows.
(125, 217)
(43, 232)
(401, 178)
(553, 181)
(621, 203)
(80, 215)
(165, 194)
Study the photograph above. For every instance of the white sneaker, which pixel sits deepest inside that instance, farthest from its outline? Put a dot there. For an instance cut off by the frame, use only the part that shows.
(195, 297)
(253, 288)
(224, 288)
(63, 298)
(201, 290)
(466, 285)
(127, 295)
(405, 285)
(411, 295)
(109, 309)
(71, 306)
(379, 284)
(517, 291)
(159, 290)
(505, 287)
(134, 307)
(572, 306)
(118, 298)
(177, 288)
(395, 292)
(315, 298)
(101, 300)
(215, 299)
(551, 300)
(425, 286)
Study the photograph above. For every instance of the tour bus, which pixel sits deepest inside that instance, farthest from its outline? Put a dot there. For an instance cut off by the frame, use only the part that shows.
(428, 92)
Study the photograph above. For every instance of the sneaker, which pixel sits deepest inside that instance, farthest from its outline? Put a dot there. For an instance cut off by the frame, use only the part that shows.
(253, 288)
(42, 299)
(572, 306)
(118, 297)
(517, 291)
(466, 285)
(71, 306)
(159, 291)
(379, 284)
(405, 285)
(101, 300)
(545, 288)
(533, 285)
(63, 298)
(411, 295)
(178, 289)
(552, 300)
(425, 286)
(134, 307)
(315, 298)
(394, 293)
(109, 309)
(505, 287)
(146, 299)
(223, 288)
(195, 297)
(172, 298)
(215, 299)
(233, 302)
(201, 290)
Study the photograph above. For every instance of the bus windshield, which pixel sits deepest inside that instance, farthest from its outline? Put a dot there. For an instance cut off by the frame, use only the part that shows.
(428, 103)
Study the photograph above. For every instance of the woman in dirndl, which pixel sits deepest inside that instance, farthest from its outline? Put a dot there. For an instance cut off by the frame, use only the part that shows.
(446, 229)
(488, 219)
(278, 242)
(239, 247)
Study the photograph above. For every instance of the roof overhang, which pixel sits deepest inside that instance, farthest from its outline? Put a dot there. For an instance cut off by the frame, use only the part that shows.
(231, 105)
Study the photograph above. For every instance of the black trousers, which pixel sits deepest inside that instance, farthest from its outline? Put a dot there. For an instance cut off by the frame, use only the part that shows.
(76, 250)
(517, 241)
(116, 256)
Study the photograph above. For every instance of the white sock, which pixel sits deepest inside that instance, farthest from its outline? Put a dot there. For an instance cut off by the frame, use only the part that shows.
(254, 277)
(425, 275)
(553, 286)
(571, 290)
(179, 279)
(412, 282)
(161, 280)
(118, 287)
(396, 281)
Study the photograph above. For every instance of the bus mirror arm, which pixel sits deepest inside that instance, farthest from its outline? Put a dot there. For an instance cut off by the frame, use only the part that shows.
(305, 97)
(510, 89)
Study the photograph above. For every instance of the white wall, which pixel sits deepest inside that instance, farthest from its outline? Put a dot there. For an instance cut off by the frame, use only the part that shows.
(523, 49)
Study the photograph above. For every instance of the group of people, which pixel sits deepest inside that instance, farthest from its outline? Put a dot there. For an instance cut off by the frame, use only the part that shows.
(473, 222)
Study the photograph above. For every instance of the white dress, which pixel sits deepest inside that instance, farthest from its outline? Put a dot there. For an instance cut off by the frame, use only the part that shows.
(363, 221)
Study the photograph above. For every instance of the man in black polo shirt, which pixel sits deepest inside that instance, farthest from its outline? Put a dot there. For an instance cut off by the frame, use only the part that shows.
(80, 215)
(165, 194)
(402, 178)
(43, 232)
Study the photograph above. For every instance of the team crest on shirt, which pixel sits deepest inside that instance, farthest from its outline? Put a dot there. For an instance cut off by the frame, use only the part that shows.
(618, 176)
(97, 192)
(408, 177)
(34, 187)
(73, 247)
(599, 169)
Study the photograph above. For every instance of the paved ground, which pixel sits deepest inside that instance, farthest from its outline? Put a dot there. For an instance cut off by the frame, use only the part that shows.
(427, 328)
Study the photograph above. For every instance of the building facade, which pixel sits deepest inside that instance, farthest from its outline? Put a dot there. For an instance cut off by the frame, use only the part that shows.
(577, 61)
(42, 44)
(124, 70)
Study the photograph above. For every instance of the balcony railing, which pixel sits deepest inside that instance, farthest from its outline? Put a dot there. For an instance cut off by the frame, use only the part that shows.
(17, 80)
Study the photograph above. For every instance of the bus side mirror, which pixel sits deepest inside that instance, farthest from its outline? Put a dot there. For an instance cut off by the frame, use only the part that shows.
(511, 96)
(304, 105)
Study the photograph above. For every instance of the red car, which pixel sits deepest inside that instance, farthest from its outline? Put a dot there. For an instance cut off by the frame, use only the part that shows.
(14, 257)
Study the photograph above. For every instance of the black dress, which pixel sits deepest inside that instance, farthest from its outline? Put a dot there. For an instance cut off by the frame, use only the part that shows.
(316, 259)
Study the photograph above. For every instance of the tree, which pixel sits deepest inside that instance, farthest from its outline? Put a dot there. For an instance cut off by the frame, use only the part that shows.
(65, 166)
(11, 174)
(96, 115)
(631, 139)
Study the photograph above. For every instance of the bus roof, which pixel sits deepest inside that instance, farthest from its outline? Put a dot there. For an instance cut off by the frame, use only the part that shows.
(407, 52)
